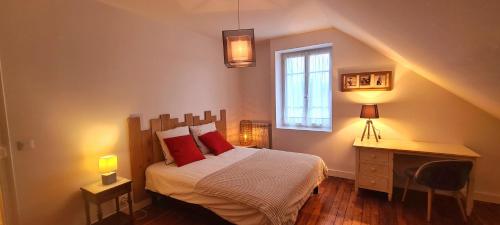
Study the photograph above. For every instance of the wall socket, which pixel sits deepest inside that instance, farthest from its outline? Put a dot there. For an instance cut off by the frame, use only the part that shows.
(25, 144)
(123, 201)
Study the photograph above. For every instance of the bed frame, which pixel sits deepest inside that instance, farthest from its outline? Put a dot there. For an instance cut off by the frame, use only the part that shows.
(145, 147)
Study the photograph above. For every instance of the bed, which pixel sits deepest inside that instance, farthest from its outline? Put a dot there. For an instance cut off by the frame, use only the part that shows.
(243, 185)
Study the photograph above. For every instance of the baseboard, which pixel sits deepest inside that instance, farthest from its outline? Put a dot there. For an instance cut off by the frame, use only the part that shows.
(487, 197)
(140, 205)
(479, 196)
(341, 174)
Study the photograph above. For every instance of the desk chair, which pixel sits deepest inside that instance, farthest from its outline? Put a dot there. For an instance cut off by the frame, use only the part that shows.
(446, 175)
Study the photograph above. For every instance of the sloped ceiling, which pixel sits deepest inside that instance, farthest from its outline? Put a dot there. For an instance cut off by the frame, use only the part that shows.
(455, 44)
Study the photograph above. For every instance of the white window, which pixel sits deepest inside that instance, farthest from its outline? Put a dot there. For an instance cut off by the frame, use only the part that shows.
(304, 100)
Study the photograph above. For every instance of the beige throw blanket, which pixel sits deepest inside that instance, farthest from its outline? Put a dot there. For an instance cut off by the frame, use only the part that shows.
(276, 183)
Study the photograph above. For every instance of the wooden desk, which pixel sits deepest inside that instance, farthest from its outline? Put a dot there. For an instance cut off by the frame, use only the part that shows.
(374, 162)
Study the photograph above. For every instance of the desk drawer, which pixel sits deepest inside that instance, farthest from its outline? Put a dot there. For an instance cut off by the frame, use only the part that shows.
(374, 156)
(374, 169)
(373, 183)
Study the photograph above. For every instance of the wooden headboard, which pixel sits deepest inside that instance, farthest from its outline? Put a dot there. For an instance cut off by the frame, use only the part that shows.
(145, 147)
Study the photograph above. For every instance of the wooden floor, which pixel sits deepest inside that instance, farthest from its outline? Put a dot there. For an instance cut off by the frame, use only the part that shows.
(337, 204)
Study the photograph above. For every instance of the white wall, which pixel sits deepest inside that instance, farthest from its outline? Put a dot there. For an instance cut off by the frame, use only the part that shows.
(416, 109)
(255, 89)
(74, 71)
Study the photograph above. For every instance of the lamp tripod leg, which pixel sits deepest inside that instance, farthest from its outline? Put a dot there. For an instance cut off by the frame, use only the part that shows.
(375, 133)
(369, 123)
(364, 131)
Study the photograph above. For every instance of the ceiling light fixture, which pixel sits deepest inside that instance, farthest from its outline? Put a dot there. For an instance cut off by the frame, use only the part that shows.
(239, 46)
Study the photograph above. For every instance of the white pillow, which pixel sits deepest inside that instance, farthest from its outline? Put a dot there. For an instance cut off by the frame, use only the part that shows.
(176, 132)
(201, 130)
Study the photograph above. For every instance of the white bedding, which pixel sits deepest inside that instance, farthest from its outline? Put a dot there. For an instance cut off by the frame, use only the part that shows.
(179, 183)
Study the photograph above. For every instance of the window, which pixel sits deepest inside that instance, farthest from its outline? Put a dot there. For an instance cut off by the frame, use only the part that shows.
(305, 89)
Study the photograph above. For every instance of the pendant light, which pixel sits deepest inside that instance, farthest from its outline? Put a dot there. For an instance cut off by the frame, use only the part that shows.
(239, 46)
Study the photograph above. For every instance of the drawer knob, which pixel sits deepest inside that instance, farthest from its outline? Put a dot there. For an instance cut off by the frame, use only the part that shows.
(374, 156)
(372, 182)
(373, 169)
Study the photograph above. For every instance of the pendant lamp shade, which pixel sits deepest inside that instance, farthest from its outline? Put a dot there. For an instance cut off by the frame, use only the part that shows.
(239, 48)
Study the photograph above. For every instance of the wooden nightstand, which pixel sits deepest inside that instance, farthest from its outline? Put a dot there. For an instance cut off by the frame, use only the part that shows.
(98, 194)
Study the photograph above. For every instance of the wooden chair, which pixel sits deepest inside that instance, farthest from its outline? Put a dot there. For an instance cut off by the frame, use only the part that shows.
(446, 175)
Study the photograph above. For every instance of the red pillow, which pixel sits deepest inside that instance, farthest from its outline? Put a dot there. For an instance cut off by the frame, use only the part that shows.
(183, 149)
(215, 142)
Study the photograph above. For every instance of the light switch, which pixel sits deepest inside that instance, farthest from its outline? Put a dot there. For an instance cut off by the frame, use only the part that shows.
(32, 144)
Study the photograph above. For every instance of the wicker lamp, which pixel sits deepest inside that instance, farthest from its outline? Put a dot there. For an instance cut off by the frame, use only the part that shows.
(255, 132)
(245, 132)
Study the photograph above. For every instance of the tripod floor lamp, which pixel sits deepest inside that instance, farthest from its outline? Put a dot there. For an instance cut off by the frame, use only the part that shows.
(369, 112)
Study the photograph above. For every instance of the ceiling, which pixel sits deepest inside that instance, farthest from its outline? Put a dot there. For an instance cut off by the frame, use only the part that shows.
(453, 43)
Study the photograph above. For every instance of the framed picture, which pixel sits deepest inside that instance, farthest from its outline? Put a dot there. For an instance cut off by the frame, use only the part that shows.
(381, 80)
(350, 81)
(367, 81)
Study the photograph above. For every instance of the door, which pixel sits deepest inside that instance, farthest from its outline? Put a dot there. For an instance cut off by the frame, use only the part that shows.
(8, 202)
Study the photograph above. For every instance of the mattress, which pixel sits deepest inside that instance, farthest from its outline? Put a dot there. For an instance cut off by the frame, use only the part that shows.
(179, 183)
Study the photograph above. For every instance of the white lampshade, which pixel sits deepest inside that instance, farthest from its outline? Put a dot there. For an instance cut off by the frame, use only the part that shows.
(108, 164)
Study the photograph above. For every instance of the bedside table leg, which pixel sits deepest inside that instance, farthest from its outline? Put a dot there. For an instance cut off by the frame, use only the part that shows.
(87, 211)
(99, 212)
(130, 210)
(117, 204)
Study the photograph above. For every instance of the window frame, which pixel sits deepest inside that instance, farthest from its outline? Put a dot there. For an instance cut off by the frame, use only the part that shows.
(306, 52)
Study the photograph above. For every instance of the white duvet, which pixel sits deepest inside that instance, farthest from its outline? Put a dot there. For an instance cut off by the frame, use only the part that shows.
(179, 183)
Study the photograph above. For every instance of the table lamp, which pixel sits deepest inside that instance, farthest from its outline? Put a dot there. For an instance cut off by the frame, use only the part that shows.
(369, 112)
(257, 133)
(107, 167)
(246, 132)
